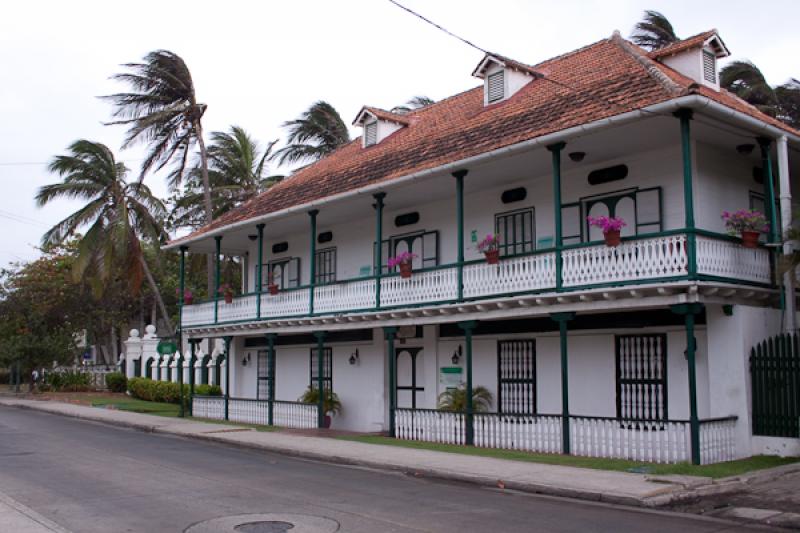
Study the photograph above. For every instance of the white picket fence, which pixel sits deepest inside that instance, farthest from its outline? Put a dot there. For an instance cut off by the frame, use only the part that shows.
(717, 440)
(530, 433)
(251, 411)
(429, 425)
(653, 442)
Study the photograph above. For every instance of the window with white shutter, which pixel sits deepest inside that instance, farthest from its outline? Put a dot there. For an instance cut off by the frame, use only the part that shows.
(709, 67)
(370, 133)
(495, 87)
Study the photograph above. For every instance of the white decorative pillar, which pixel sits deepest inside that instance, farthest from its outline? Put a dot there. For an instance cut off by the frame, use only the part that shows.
(133, 352)
(784, 185)
(150, 350)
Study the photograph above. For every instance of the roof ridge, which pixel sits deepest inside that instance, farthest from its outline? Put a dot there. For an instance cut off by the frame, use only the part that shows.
(648, 64)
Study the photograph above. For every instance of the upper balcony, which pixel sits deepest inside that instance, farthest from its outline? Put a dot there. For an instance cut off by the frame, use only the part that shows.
(432, 218)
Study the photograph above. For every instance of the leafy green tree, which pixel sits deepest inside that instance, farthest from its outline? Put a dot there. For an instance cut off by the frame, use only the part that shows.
(118, 215)
(238, 170)
(316, 133)
(417, 102)
(654, 31)
(745, 80)
(788, 96)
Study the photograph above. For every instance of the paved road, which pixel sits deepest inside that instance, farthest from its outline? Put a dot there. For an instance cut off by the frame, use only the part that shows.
(89, 477)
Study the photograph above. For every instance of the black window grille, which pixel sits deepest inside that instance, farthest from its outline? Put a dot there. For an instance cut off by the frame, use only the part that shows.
(265, 381)
(516, 377)
(641, 377)
(326, 266)
(327, 368)
(516, 231)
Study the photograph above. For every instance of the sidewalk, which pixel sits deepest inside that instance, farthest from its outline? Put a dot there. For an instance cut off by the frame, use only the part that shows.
(597, 485)
(21, 519)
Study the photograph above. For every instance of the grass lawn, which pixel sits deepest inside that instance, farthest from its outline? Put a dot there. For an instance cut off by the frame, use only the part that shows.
(718, 470)
(138, 406)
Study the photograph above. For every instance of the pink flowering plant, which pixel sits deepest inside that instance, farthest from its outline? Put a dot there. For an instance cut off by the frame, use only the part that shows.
(489, 243)
(606, 223)
(405, 257)
(745, 220)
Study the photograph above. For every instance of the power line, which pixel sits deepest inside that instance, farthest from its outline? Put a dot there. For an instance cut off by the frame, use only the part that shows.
(432, 23)
(21, 219)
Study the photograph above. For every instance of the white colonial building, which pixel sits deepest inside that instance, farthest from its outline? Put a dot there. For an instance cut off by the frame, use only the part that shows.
(637, 351)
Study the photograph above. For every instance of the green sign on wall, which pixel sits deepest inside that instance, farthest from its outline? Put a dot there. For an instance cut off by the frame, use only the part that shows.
(166, 347)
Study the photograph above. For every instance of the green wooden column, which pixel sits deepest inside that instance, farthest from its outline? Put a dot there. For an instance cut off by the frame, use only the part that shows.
(271, 372)
(182, 289)
(769, 188)
(312, 260)
(390, 333)
(259, 269)
(469, 426)
(17, 376)
(689, 311)
(179, 368)
(193, 343)
(227, 340)
(555, 150)
(562, 319)
(320, 336)
(459, 176)
(378, 245)
(217, 275)
(685, 116)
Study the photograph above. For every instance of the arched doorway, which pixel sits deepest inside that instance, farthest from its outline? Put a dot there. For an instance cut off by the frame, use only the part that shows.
(410, 377)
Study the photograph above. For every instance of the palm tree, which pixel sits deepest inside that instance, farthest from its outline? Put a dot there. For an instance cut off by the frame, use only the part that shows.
(456, 399)
(162, 110)
(118, 213)
(654, 31)
(237, 172)
(788, 96)
(319, 131)
(417, 102)
(745, 80)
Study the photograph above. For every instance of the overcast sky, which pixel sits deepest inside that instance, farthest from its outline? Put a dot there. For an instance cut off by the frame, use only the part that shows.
(257, 64)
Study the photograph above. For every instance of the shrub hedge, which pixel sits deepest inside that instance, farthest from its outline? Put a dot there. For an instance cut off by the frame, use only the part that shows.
(67, 380)
(116, 382)
(167, 391)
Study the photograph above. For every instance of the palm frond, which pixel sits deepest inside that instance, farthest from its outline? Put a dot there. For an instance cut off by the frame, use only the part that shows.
(654, 31)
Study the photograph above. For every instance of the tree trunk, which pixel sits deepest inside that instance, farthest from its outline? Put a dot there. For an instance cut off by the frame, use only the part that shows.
(156, 294)
(210, 262)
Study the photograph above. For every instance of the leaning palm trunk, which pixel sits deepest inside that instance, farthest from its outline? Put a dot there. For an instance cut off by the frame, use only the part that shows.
(156, 293)
(211, 261)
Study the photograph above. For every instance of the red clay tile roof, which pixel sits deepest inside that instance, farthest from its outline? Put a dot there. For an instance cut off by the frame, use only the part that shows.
(384, 115)
(607, 78)
(694, 41)
(510, 63)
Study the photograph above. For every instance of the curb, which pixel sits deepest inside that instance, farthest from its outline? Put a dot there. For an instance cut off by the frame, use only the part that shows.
(661, 497)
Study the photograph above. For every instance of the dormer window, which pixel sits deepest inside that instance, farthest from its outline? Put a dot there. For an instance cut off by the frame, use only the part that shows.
(502, 77)
(709, 66)
(378, 124)
(495, 87)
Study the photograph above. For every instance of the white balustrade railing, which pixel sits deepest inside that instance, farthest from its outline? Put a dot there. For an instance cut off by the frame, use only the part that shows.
(530, 433)
(729, 259)
(430, 426)
(516, 274)
(654, 442)
(632, 260)
(339, 297)
(295, 415)
(717, 440)
(197, 314)
(437, 285)
(212, 407)
(241, 308)
(248, 411)
(285, 303)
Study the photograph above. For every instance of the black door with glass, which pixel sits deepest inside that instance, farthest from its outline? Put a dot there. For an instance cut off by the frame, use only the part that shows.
(516, 377)
(515, 230)
(325, 266)
(264, 379)
(409, 377)
(327, 368)
(285, 273)
(424, 244)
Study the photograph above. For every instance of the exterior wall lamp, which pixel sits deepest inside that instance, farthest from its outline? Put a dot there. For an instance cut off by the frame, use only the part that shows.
(354, 358)
(246, 359)
(577, 156)
(457, 355)
(745, 149)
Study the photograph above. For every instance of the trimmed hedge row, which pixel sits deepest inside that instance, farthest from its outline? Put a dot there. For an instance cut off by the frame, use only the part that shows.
(167, 391)
(116, 382)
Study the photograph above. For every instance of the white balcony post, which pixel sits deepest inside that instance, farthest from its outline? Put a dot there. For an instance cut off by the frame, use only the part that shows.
(790, 320)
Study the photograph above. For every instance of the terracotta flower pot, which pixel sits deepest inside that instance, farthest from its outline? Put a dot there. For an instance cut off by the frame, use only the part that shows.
(405, 270)
(327, 422)
(273, 289)
(750, 239)
(612, 238)
(228, 297)
(492, 256)
(187, 300)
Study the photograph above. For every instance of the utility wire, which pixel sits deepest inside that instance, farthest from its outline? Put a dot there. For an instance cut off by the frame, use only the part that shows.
(432, 23)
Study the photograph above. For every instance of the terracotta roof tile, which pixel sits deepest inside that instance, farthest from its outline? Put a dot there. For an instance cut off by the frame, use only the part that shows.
(603, 79)
(684, 44)
(384, 115)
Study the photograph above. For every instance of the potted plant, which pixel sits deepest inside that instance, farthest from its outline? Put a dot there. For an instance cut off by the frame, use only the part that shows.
(403, 262)
(330, 403)
(611, 227)
(490, 247)
(747, 223)
(456, 400)
(188, 297)
(271, 286)
(227, 291)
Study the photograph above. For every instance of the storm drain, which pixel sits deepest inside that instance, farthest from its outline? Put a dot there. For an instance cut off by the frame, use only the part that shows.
(266, 523)
(270, 526)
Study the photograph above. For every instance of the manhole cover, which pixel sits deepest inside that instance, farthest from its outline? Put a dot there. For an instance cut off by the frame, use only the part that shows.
(271, 526)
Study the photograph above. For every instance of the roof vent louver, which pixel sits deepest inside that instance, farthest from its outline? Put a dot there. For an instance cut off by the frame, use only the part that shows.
(495, 87)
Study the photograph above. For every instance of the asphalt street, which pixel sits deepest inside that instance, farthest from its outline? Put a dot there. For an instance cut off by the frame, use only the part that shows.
(89, 477)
